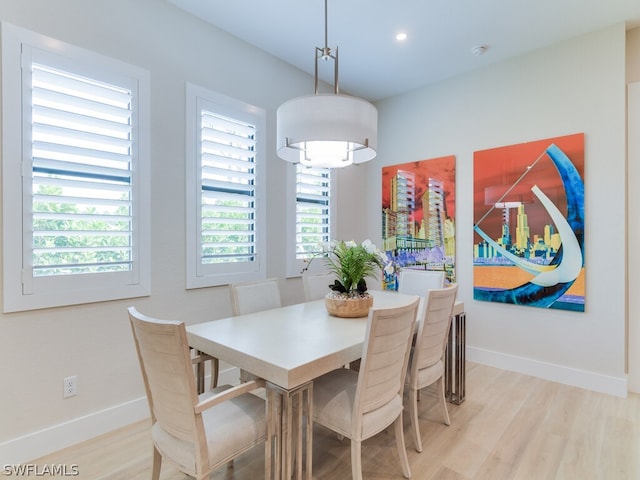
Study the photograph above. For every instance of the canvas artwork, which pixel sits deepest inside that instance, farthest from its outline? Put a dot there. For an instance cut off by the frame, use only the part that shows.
(418, 217)
(529, 224)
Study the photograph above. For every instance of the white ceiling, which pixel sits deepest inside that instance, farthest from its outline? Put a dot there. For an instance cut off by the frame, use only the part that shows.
(441, 34)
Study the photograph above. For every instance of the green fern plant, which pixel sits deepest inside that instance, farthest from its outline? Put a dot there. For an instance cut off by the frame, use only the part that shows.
(352, 263)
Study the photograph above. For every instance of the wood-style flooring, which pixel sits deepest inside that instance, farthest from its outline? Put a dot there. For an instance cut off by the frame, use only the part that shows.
(510, 427)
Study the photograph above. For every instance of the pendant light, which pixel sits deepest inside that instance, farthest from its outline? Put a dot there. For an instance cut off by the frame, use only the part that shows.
(327, 130)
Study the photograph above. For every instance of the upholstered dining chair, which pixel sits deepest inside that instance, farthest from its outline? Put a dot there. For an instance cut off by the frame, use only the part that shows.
(197, 433)
(317, 286)
(359, 405)
(417, 282)
(427, 356)
(252, 297)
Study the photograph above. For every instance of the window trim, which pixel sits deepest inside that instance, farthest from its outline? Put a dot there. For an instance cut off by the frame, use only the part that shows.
(81, 288)
(221, 274)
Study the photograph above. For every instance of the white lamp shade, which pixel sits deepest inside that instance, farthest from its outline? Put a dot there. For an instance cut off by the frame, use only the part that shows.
(327, 117)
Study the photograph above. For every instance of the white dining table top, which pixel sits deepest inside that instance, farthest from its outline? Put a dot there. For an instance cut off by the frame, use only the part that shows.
(291, 345)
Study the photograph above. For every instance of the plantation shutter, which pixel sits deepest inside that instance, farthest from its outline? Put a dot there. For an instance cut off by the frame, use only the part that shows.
(313, 188)
(228, 182)
(81, 174)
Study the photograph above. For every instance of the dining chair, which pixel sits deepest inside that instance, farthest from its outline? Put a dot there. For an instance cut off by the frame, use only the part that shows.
(197, 433)
(199, 360)
(359, 405)
(317, 286)
(427, 356)
(253, 297)
(417, 282)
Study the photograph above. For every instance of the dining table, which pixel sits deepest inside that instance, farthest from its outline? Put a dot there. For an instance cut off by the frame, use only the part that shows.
(289, 347)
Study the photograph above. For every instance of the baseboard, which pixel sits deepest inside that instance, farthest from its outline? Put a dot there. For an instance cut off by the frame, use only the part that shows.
(597, 382)
(43, 442)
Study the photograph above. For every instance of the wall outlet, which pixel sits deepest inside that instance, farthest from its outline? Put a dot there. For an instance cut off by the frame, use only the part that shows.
(70, 386)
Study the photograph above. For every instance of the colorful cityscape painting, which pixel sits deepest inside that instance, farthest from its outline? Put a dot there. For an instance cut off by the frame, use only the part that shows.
(529, 224)
(418, 217)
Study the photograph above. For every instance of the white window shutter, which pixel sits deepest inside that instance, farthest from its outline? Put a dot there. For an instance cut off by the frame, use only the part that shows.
(81, 160)
(313, 210)
(75, 181)
(225, 210)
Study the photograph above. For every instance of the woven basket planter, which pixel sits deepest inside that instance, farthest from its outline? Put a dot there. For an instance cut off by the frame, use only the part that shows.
(340, 305)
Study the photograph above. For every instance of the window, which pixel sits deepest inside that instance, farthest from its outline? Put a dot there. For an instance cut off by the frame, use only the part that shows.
(312, 221)
(225, 211)
(75, 175)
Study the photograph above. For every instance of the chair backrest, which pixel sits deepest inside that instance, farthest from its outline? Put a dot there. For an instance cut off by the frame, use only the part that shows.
(385, 357)
(433, 327)
(255, 296)
(417, 282)
(163, 353)
(317, 286)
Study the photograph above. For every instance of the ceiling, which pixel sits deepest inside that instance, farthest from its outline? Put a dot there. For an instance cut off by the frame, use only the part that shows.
(441, 34)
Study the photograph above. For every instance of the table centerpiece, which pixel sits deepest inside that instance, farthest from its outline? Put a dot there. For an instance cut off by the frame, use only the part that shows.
(351, 264)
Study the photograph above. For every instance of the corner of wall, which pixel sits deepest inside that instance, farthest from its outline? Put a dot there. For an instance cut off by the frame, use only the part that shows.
(633, 55)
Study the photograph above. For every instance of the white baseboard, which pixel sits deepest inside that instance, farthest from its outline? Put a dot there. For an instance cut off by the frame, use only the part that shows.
(43, 442)
(597, 382)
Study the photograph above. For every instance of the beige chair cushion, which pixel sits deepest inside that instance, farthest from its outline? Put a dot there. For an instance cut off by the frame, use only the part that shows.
(234, 422)
(333, 402)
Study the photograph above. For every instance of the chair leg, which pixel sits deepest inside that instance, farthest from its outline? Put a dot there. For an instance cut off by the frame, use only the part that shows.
(413, 415)
(356, 460)
(402, 450)
(443, 401)
(157, 464)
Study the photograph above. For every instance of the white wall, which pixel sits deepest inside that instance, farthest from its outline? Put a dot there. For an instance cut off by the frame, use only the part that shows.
(633, 55)
(576, 86)
(633, 233)
(573, 87)
(38, 349)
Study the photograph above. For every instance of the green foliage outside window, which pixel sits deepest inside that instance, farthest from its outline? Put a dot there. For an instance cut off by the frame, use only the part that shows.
(64, 244)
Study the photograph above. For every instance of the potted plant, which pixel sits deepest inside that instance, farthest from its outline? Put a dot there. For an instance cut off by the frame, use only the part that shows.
(351, 264)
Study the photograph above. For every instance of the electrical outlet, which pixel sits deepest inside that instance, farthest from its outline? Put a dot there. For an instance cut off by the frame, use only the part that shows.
(70, 386)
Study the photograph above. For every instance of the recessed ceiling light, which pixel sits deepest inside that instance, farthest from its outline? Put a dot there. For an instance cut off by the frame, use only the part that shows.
(401, 37)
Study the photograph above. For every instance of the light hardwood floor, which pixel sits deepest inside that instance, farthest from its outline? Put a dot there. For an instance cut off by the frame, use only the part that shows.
(510, 427)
